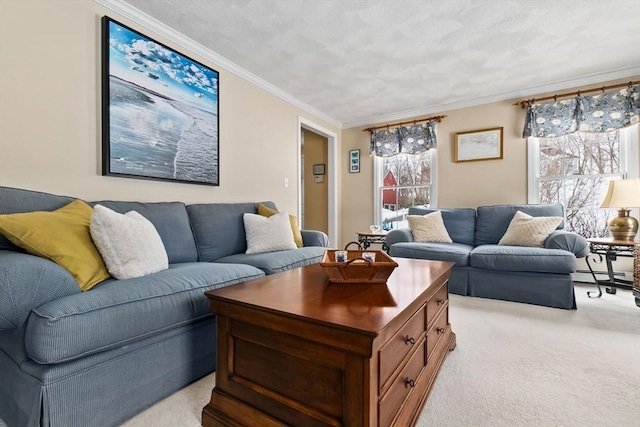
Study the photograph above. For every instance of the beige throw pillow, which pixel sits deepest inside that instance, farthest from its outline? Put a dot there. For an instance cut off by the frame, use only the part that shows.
(129, 243)
(268, 234)
(526, 230)
(428, 228)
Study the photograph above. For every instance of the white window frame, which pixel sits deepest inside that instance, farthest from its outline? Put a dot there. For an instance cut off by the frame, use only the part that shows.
(629, 160)
(377, 185)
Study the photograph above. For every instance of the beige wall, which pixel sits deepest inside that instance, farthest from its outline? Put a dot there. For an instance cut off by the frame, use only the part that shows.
(50, 116)
(468, 184)
(316, 205)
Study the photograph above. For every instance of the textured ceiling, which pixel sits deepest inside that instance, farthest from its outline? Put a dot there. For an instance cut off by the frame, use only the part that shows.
(362, 61)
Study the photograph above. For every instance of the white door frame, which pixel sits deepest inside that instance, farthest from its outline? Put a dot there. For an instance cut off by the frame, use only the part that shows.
(332, 173)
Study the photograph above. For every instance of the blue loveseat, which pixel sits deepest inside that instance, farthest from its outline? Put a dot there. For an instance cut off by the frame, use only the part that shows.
(96, 358)
(485, 269)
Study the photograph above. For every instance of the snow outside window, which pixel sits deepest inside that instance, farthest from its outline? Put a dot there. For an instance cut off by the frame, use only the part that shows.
(575, 170)
(402, 181)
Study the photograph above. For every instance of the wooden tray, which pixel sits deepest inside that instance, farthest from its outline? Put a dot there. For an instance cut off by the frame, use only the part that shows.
(356, 269)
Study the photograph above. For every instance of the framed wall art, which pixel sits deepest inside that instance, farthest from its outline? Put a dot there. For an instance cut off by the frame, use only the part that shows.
(483, 144)
(354, 161)
(160, 110)
(319, 169)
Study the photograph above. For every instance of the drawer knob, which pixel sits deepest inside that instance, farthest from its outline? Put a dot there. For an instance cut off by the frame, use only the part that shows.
(409, 340)
(440, 330)
(440, 301)
(409, 383)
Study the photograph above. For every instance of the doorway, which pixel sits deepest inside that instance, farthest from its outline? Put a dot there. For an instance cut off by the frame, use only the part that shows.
(321, 197)
(314, 213)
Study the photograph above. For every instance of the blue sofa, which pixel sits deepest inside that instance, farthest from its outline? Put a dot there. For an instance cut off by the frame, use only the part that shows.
(485, 269)
(96, 358)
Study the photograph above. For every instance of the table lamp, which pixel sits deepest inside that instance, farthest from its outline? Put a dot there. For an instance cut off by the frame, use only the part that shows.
(623, 194)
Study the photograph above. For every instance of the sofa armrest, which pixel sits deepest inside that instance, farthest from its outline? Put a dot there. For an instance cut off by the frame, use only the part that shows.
(27, 282)
(399, 235)
(314, 238)
(568, 241)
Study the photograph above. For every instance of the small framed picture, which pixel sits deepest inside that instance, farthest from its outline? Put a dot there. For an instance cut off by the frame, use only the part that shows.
(354, 161)
(483, 144)
(318, 169)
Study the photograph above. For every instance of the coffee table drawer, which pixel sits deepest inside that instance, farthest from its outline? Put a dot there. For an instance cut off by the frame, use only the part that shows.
(399, 346)
(436, 302)
(401, 387)
(437, 331)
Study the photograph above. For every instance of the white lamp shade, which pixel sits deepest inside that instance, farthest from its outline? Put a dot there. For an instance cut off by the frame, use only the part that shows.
(622, 193)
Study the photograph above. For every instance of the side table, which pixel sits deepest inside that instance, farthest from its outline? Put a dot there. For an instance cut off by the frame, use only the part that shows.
(366, 238)
(609, 250)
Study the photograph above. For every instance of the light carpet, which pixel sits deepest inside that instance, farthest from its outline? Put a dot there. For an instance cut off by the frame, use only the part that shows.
(514, 365)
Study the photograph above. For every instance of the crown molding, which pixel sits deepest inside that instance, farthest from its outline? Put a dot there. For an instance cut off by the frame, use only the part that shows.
(152, 24)
(523, 93)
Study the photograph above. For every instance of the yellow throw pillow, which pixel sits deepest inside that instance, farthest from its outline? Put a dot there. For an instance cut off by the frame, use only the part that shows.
(61, 236)
(297, 236)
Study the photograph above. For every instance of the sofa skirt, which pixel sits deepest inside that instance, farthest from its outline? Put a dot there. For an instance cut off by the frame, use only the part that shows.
(107, 389)
(551, 290)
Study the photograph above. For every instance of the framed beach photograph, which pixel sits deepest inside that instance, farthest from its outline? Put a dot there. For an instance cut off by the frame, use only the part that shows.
(483, 144)
(354, 161)
(160, 110)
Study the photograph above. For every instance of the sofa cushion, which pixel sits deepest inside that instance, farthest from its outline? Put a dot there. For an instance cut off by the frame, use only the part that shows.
(15, 200)
(459, 222)
(129, 244)
(219, 228)
(117, 312)
(172, 223)
(428, 228)
(453, 252)
(275, 262)
(526, 230)
(61, 236)
(492, 221)
(522, 259)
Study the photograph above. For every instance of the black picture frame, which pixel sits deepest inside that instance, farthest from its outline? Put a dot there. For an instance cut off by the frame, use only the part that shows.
(160, 110)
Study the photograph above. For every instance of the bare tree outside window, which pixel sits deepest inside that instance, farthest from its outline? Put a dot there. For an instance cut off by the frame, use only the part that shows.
(406, 182)
(575, 170)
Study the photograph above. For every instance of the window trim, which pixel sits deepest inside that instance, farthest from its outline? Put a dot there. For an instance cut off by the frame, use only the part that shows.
(377, 179)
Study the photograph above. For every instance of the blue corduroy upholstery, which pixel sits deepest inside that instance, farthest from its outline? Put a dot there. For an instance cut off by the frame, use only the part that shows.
(117, 312)
(275, 262)
(460, 222)
(492, 221)
(172, 223)
(485, 269)
(97, 358)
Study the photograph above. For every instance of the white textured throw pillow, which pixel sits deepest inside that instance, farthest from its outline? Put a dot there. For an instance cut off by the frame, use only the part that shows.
(129, 244)
(428, 228)
(526, 230)
(268, 234)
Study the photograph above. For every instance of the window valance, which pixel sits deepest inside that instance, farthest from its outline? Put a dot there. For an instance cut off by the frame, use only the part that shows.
(414, 139)
(597, 113)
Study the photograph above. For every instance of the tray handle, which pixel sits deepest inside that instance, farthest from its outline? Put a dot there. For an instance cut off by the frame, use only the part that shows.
(360, 248)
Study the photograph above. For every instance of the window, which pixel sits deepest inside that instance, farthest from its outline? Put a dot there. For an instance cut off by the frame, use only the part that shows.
(575, 169)
(402, 181)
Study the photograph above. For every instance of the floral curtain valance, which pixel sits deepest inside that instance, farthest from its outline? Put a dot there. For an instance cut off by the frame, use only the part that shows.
(405, 139)
(598, 113)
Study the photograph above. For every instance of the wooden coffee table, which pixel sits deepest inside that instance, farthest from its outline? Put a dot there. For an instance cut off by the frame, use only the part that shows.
(294, 349)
